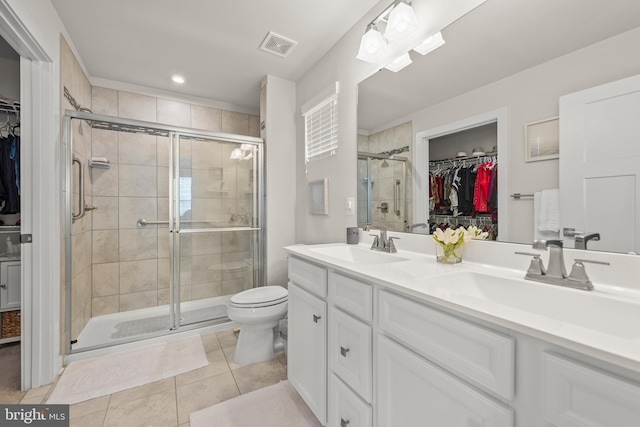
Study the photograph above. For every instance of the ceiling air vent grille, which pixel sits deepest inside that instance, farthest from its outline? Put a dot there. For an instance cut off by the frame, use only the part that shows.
(277, 44)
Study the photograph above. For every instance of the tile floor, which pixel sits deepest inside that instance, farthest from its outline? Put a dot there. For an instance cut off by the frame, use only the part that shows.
(169, 402)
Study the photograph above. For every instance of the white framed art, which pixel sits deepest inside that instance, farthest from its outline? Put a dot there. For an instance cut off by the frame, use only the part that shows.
(319, 197)
(542, 140)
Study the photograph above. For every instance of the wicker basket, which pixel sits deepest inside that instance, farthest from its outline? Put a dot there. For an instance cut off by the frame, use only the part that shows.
(11, 324)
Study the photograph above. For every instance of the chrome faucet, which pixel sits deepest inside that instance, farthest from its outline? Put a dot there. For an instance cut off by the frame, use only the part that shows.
(381, 242)
(414, 226)
(583, 239)
(556, 273)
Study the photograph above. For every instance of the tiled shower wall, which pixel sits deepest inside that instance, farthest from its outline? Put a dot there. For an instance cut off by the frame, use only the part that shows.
(384, 177)
(130, 268)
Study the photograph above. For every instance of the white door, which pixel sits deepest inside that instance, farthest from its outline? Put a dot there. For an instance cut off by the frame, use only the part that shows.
(307, 355)
(600, 164)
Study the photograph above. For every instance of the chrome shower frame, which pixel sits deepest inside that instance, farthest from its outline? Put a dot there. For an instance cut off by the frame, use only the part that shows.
(373, 156)
(174, 133)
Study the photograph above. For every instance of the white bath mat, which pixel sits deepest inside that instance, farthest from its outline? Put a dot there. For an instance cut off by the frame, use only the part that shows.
(101, 376)
(278, 405)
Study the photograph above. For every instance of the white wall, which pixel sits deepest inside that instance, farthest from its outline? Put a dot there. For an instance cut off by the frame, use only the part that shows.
(10, 81)
(280, 144)
(340, 64)
(532, 95)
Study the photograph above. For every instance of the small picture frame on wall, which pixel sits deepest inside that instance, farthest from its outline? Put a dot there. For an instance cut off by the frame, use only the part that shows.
(319, 197)
(542, 140)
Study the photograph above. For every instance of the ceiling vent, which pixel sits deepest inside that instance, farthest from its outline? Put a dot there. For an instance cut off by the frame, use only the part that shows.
(277, 44)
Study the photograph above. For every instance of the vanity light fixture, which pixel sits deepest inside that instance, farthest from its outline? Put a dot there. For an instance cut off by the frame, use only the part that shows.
(399, 63)
(402, 23)
(177, 79)
(372, 45)
(236, 154)
(430, 44)
(244, 152)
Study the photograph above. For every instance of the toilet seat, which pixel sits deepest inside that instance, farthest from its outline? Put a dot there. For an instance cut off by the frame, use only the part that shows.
(264, 296)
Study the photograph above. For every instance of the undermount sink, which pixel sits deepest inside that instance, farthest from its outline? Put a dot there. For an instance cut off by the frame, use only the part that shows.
(546, 303)
(357, 255)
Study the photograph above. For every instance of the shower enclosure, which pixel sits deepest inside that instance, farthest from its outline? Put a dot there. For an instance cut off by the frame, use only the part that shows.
(382, 191)
(163, 225)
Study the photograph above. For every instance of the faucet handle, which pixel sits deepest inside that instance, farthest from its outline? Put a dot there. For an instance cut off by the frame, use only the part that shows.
(579, 273)
(392, 247)
(376, 241)
(536, 266)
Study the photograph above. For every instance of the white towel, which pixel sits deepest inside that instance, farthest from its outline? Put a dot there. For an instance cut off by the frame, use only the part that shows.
(549, 218)
(537, 233)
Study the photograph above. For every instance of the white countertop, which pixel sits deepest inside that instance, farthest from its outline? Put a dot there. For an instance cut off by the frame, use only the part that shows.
(586, 326)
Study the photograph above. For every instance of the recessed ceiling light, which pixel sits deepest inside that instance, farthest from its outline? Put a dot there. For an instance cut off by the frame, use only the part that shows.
(177, 79)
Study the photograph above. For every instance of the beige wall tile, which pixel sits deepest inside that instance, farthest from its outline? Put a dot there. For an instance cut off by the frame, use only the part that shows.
(163, 242)
(137, 181)
(163, 181)
(206, 154)
(206, 118)
(105, 181)
(138, 300)
(206, 290)
(104, 143)
(254, 126)
(174, 113)
(208, 210)
(233, 122)
(134, 106)
(207, 243)
(131, 209)
(137, 244)
(81, 248)
(163, 151)
(105, 246)
(104, 101)
(138, 276)
(105, 217)
(163, 273)
(105, 279)
(137, 149)
(204, 269)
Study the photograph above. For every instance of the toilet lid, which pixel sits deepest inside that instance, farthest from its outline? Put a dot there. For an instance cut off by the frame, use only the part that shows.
(261, 296)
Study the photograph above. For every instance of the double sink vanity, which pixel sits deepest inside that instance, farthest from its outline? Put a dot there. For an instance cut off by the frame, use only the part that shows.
(397, 339)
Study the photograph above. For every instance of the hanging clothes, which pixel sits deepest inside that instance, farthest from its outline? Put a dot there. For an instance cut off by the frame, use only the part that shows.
(8, 182)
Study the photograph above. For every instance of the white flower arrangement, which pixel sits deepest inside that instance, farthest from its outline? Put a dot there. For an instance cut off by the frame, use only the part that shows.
(451, 240)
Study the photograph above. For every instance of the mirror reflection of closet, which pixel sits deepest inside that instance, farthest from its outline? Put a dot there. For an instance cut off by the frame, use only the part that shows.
(463, 180)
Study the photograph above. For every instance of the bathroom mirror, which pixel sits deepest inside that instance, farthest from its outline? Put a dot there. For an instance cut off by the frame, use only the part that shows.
(517, 56)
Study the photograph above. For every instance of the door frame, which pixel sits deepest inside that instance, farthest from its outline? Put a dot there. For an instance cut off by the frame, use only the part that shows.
(41, 193)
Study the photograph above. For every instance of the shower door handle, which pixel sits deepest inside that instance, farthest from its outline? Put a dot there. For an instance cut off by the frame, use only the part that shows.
(81, 204)
(396, 197)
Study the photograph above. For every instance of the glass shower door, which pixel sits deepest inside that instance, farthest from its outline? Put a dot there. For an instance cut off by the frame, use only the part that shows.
(216, 238)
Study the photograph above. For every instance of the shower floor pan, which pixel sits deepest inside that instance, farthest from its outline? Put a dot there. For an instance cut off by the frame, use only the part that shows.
(112, 328)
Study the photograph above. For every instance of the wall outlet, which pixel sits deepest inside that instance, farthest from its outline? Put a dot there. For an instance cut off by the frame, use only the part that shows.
(350, 206)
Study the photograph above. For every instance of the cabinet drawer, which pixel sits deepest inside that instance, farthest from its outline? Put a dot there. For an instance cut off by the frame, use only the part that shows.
(476, 354)
(414, 392)
(351, 295)
(577, 395)
(350, 351)
(309, 276)
(346, 409)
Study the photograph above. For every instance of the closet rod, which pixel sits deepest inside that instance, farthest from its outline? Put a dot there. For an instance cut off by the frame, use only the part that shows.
(519, 196)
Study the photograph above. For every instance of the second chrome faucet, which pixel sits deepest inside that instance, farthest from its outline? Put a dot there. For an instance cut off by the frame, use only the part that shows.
(382, 242)
(556, 272)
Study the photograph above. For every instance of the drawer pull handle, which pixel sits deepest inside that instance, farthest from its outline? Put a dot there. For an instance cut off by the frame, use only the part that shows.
(343, 352)
(343, 422)
(316, 318)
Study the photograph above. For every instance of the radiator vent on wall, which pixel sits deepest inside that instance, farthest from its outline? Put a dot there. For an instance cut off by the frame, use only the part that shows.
(277, 44)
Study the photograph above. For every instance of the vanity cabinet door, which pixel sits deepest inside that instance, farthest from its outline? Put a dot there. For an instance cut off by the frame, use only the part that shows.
(307, 349)
(578, 395)
(346, 409)
(350, 351)
(10, 285)
(413, 392)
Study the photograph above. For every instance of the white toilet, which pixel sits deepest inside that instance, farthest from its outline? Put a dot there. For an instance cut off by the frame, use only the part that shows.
(258, 312)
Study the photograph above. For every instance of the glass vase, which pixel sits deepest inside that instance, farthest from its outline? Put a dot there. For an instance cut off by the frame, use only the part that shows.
(448, 253)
